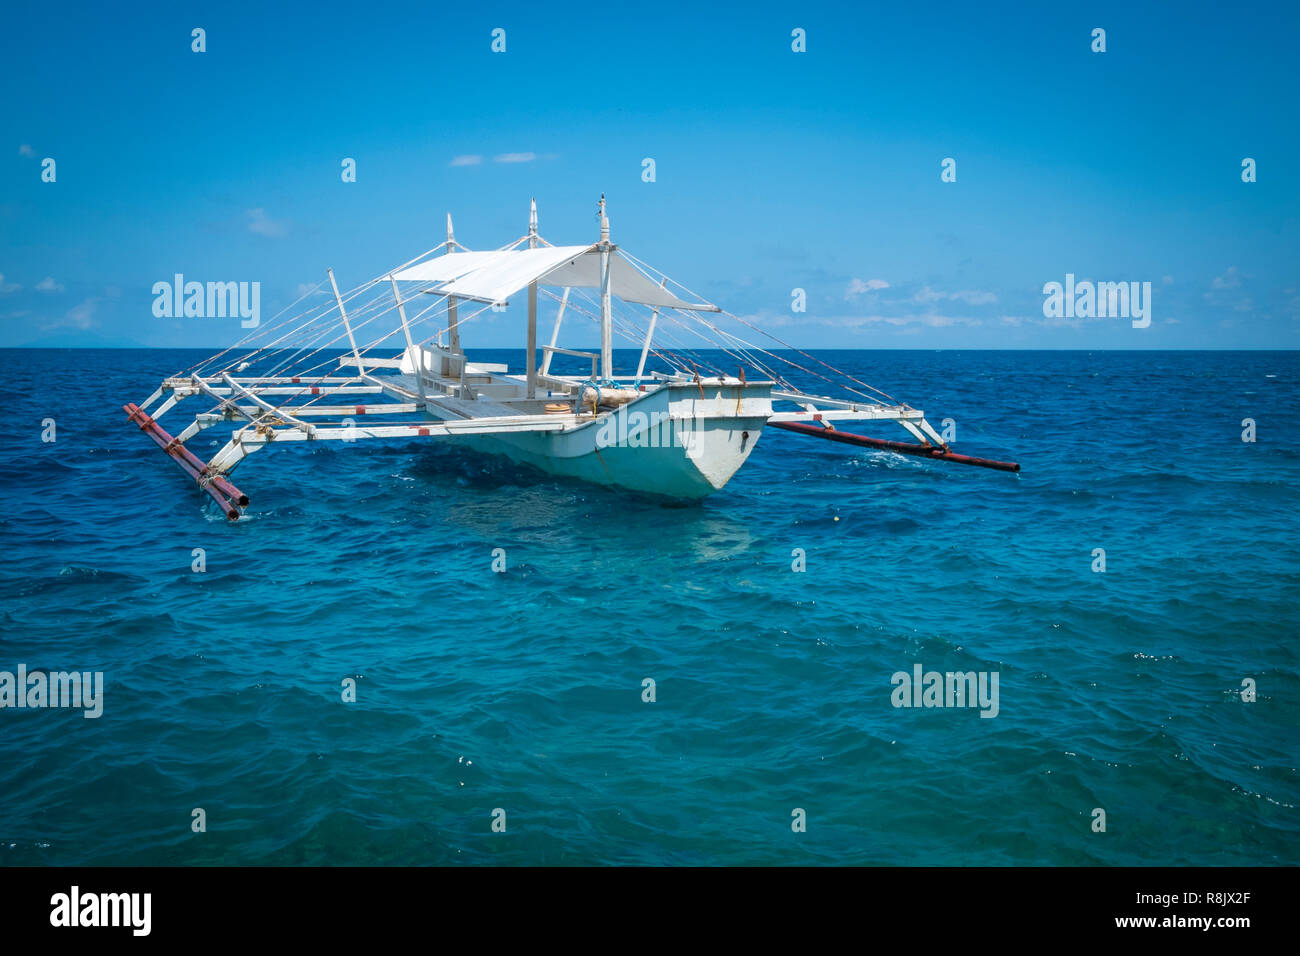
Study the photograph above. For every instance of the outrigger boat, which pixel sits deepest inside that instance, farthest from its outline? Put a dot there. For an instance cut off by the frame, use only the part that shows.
(681, 430)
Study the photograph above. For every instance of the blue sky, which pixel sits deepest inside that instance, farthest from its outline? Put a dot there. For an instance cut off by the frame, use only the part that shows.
(775, 170)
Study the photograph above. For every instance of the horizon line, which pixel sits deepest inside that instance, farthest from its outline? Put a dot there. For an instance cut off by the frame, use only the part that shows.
(818, 348)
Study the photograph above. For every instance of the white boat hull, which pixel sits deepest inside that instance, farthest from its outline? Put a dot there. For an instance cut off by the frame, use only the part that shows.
(679, 440)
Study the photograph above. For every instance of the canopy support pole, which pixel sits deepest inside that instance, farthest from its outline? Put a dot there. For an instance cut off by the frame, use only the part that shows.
(606, 309)
(645, 347)
(361, 370)
(555, 332)
(417, 354)
(453, 320)
(649, 335)
(530, 363)
(453, 325)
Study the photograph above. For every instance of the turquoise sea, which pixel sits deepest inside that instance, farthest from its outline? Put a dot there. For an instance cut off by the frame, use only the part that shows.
(522, 690)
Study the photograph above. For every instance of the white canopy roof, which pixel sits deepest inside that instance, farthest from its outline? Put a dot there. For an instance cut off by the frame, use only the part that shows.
(627, 282)
(495, 276)
(509, 271)
(445, 268)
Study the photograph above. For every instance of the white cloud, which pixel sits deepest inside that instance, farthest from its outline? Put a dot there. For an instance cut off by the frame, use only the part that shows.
(48, 285)
(969, 296)
(83, 315)
(466, 161)
(859, 286)
(7, 286)
(1228, 291)
(974, 297)
(260, 223)
(26, 150)
(1229, 280)
(931, 320)
(514, 158)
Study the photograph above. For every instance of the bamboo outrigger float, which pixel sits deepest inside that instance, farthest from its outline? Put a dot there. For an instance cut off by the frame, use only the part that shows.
(680, 433)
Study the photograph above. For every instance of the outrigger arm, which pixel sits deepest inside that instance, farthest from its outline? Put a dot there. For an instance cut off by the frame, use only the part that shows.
(820, 412)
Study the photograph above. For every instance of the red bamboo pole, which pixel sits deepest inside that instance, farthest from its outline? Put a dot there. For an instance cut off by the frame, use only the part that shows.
(230, 498)
(904, 448)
